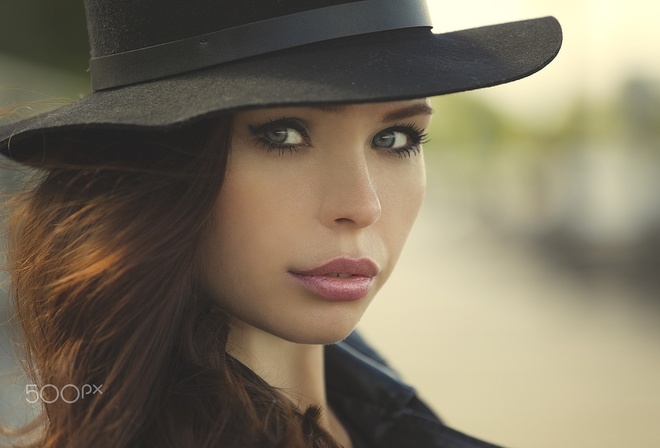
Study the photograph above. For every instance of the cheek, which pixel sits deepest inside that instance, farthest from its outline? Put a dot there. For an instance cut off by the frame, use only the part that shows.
(401, 199)
(253, 225)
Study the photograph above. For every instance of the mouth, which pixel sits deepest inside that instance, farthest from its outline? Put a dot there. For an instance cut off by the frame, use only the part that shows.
(340, 275)
(341, 279)
(343, 268)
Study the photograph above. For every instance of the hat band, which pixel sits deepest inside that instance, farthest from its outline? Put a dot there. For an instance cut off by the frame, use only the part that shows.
(257, 38)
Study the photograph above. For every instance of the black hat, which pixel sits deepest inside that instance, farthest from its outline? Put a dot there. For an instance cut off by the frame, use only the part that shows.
(164, 63)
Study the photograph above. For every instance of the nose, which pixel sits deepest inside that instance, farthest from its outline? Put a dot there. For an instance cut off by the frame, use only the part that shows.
(350, 198)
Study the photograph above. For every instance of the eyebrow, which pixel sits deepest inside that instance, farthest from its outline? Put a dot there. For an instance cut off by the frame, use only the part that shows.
(408, 112)
(398, 114)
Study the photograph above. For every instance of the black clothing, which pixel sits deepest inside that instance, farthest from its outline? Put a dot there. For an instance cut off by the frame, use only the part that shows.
(377, 408)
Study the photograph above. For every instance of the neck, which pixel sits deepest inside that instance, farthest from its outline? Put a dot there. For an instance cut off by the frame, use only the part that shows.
(296, 370)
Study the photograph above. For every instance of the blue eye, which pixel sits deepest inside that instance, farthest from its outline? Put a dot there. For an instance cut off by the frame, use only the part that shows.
(391, 139)
(285, 134)
(402, 140)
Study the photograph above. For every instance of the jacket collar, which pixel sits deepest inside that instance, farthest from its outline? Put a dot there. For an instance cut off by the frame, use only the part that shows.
(374, 401)
(354, 370)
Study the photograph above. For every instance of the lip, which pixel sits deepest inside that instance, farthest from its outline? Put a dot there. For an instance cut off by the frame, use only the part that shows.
(321, 281)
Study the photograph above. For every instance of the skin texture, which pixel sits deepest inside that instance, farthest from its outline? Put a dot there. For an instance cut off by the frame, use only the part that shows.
(334, 190)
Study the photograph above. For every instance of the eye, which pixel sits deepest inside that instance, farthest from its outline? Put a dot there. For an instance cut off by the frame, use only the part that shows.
(285, 134)
(402, 140)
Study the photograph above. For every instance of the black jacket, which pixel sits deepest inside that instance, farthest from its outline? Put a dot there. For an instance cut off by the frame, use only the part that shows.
(377, 408)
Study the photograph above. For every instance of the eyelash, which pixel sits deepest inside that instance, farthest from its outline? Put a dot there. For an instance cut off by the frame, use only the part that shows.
(417, 136)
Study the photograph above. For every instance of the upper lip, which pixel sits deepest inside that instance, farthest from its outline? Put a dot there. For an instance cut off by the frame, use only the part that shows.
(363, 267)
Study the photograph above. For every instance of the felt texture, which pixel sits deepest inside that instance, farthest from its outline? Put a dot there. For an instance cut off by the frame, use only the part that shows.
(116, 26)
(384, 66)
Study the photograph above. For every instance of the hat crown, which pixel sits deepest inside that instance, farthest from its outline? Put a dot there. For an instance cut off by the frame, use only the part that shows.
(117, 26)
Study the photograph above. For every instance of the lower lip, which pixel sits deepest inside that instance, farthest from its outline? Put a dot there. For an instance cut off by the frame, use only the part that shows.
(335, 288)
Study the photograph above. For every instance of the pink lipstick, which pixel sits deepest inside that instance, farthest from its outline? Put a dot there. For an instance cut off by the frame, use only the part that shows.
(341, 279)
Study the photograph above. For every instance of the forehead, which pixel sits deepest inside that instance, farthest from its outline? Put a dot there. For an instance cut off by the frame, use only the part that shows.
(414, 107)
(385, 111)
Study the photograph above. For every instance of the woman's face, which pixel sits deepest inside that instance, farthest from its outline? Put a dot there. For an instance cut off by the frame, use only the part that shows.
(316, 205)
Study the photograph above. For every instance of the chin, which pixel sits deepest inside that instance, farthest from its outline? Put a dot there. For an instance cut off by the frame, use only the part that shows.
(326, 338)
(329, 331)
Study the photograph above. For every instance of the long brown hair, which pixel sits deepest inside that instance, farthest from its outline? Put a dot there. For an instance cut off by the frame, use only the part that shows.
(104, 257)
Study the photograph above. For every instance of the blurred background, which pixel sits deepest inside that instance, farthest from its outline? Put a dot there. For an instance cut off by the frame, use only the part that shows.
(525, 307)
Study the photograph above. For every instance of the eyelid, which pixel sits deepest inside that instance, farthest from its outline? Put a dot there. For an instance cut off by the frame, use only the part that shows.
(292, 122)
(415, 132)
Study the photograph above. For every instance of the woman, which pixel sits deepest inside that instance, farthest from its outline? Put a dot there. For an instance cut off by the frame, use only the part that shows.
(210, 223)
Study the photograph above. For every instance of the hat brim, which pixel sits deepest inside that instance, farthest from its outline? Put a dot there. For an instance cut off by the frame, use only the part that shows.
(386, 66)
